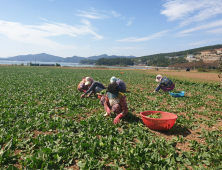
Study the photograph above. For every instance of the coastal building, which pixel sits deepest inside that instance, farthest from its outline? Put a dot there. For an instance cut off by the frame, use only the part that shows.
(190, 56)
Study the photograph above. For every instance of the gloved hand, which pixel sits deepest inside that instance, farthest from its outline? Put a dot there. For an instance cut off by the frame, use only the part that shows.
(117, 119)
(106, 114)
(108, 111)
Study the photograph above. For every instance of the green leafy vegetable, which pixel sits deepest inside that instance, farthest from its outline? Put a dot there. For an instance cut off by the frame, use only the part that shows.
(157, 115)
(46, 125)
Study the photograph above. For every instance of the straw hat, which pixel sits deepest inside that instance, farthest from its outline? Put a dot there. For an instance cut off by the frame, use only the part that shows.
(88, 81)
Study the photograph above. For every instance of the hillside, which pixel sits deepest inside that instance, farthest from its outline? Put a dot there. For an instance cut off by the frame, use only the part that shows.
(163, 59)
(179, 53)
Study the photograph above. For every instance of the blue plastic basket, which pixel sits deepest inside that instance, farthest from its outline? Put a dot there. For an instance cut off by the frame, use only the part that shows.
(181, 94)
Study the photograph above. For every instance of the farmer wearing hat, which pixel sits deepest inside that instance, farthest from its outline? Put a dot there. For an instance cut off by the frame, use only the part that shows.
(164, 83)
(94, 87)
(114, 101)
(83, 86)
(121, 84)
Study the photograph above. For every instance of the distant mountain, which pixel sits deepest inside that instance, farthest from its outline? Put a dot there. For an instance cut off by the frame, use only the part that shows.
(106, 56)
(74, 59)
(36, 57)
(51, 58)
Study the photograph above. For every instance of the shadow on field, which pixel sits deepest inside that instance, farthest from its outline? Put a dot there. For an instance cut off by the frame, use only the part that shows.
(177, 130)
(187, 97)
(131, 118)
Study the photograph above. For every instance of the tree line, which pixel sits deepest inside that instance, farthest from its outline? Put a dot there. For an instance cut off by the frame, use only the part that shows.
(115, 61)
(164, 62)
(87, 61)
(160, 61)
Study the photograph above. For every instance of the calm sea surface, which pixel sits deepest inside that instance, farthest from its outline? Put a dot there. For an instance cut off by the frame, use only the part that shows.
(3, 62)
(7, 62)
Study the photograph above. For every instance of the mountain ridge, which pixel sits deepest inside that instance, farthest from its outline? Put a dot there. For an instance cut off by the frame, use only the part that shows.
(44, 57)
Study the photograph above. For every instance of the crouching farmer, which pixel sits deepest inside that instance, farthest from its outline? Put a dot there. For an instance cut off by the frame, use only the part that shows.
(94, 88)
(85, 84)
(114, 101)
(164, 83)
(121, 84)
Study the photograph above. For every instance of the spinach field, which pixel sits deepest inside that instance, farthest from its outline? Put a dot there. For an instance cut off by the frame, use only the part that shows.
(44, 124)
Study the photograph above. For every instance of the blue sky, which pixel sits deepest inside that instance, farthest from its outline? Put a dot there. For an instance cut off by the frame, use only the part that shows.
(85, 28)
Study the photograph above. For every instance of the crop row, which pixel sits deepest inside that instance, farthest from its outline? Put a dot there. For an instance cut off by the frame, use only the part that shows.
(46, 125)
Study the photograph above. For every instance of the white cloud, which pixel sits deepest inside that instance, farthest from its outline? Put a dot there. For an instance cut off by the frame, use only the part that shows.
(201, 27)
(91, 14)
(99, 14)
(191, 10)
(86, 22)
(103, 14)
(117, 15)
(197, 43)
(126, 48)
(215, 31)
(130, 21)
(39, 34)
(153, 36)
(43, 19)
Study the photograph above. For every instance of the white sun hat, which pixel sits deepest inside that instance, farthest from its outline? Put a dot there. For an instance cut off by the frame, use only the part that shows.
(113, 79)
(88, 81)
(159, 78)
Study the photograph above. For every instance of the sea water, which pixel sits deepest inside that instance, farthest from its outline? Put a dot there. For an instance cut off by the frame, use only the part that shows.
(65, 64)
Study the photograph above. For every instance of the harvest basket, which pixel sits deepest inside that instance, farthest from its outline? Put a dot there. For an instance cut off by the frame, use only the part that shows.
(164, 123)
(181, 94)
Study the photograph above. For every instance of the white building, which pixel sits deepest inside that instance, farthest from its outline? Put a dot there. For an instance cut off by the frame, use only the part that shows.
(189, 56)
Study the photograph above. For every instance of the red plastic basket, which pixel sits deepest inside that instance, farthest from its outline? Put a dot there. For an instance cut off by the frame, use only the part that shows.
(166, 122)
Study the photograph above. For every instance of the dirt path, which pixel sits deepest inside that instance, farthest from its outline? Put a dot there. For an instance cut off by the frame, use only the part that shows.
(179, 74)
(192, 75)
